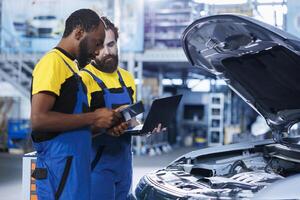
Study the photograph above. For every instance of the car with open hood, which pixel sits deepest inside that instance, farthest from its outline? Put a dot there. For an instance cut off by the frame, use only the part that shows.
(261, 64)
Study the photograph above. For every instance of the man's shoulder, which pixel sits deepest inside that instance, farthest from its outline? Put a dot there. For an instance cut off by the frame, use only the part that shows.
(124, 72)
(89, 67)
(83, 72)
(52, 54)
(87, 78)
(49, 60)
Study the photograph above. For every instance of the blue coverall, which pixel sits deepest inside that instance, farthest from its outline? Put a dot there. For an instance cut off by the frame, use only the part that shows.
(63, 162)
(111, 156)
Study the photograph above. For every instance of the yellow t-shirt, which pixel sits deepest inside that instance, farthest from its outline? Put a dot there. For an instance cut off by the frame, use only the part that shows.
(111, 80)
(51, 74)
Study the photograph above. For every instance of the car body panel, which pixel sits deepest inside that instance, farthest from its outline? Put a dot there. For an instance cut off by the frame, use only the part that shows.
(223, 149)
(258, 61)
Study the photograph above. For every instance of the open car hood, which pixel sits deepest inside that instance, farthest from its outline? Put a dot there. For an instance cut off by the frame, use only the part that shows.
(258, 61)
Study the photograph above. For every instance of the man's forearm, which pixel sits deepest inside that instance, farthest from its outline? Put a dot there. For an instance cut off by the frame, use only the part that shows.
(54, 121)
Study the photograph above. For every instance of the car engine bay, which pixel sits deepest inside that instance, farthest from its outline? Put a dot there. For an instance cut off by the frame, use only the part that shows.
(227, 175)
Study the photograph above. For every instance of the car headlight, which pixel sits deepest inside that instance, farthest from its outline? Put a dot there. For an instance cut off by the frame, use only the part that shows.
(141, 187)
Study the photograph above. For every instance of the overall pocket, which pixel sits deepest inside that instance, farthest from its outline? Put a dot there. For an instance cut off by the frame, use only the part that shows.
(51, 176)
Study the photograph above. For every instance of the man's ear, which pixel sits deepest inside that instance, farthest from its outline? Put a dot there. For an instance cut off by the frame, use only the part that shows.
(79, 32)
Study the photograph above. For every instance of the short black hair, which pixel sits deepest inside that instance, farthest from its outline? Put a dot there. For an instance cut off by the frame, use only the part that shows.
(87, 19)
(110, 26)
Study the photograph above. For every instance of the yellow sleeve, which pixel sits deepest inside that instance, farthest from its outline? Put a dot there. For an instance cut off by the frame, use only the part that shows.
(48, 75)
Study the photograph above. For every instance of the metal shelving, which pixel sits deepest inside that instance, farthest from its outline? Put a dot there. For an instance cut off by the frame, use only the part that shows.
(165, 21)
(215, 134)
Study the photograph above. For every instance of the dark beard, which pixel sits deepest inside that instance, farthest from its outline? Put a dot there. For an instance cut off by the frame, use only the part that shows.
(84, 55)
(108, 65)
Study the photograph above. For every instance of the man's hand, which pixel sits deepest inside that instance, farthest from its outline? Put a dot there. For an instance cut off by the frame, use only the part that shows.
(121, 108)
(157, 129)
(134, 122)
(106, 118)
(118, 130)
(119, 127)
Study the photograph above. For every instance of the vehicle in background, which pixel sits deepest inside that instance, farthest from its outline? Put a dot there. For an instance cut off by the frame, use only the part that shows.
(44, 26)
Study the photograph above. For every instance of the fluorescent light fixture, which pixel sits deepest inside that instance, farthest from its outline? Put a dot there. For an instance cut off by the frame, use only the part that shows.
(177, 81)
(166, 82)
(220, 82)
(199, 85)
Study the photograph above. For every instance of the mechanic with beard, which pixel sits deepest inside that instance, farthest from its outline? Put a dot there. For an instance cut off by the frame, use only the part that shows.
(112, 87)
(59, 112)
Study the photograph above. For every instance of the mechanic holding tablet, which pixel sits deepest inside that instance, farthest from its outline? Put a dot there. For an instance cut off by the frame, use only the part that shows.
(112, 87)
(59, 111)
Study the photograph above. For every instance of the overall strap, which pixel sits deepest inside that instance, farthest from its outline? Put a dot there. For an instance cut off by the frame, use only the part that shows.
(69, 67)
(67, 64)
(99, 81)
(123, 83)
(121, 79)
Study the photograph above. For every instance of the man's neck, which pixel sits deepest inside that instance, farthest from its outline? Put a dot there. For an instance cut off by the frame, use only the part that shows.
(68, 46)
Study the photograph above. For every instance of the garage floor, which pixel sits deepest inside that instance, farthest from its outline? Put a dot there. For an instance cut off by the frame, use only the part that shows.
(11, 170)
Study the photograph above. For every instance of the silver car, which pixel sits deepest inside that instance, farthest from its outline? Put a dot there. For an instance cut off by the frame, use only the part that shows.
(262, 65)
